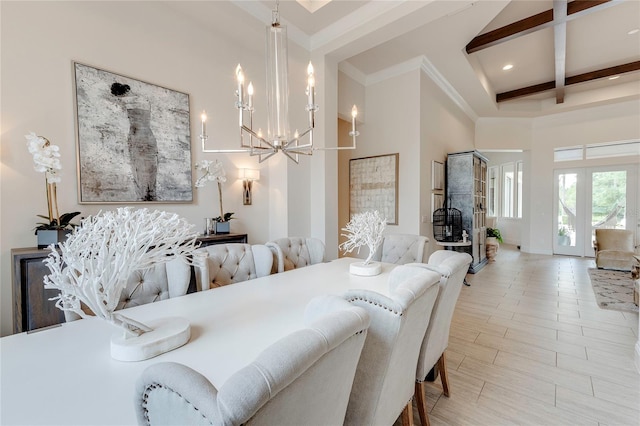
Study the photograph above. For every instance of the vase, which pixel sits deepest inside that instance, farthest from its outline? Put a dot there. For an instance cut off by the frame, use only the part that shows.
(492, 248)
(51, 236)
(369, 270)
(222, 227)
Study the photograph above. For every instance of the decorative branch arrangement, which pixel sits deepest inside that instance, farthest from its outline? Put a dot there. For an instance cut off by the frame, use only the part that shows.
(364, 229)
(96, 260)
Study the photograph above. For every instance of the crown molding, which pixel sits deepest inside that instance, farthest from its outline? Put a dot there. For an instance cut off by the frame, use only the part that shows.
(352, 72)
(428, 68)
(422, 63)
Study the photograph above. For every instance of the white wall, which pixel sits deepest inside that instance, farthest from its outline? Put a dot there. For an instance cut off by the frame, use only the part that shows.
(538, 137)
(444, 128)
(510, 228)
(151, 42)
(408, 114)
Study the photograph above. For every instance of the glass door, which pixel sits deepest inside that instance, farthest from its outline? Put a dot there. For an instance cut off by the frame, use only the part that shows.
(569, 215)
(610, 200)
(590, 198)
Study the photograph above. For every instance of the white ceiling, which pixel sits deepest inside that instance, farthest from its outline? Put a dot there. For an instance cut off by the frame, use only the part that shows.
(375, 39)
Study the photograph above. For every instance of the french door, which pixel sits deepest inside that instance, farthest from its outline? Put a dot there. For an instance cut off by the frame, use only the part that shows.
(589, 198)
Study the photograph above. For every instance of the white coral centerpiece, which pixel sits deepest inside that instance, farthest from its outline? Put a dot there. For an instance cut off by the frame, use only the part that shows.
(95, 262)
(364, 229)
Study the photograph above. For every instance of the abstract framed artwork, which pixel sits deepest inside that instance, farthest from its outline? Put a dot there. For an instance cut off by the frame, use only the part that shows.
(373, 185)
(134, 141)
(437, 176)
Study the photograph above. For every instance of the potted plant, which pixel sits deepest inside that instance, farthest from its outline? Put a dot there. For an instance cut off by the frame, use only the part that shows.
(563, 236)
(364, 229)
(46, 158)
(53, 232)
(214, 171)
(494, 237)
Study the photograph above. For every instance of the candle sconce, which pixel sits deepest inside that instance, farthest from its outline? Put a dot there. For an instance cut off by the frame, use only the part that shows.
(248, 176)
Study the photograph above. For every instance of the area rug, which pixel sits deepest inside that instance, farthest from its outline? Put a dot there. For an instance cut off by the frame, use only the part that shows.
(613, 289)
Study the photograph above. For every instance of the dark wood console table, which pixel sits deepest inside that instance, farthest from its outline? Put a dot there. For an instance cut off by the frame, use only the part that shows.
(32, 308)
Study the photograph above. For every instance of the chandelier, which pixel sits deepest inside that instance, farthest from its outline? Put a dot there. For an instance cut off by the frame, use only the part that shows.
(278, 137)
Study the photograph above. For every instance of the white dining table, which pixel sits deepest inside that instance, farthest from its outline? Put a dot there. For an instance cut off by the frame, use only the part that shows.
(65, 375)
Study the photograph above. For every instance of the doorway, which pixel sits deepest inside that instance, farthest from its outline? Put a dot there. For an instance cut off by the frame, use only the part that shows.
(589, 198)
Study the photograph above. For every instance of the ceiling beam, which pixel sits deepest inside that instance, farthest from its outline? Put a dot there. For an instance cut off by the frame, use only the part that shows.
(537, 22)
(580, 78)
(560, 45)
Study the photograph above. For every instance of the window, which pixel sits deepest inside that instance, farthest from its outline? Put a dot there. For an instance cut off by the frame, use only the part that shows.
(492, 194)
(507, 190)
(519, 189)
(510, 190)
(602, 150)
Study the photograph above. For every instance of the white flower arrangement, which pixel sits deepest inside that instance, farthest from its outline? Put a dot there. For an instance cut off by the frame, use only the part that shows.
(213, 172)
(95, 262)
(46, 159)
(364, 229)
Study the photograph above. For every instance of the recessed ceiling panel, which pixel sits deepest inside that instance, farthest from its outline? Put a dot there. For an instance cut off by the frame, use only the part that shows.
(600, 40)
(531, 57)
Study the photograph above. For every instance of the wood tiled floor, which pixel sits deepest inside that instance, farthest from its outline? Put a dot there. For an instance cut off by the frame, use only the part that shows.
(529, 345)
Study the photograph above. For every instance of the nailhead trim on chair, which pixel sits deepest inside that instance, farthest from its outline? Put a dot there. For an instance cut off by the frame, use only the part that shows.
(156, 386)
(375, 304)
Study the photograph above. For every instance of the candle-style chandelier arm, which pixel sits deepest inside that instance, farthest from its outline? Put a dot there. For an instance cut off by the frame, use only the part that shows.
(278, 137)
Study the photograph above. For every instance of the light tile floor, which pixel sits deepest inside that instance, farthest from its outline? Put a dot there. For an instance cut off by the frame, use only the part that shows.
(529, 345)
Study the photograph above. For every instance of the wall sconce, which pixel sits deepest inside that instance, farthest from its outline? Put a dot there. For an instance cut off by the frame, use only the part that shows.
(247, 176)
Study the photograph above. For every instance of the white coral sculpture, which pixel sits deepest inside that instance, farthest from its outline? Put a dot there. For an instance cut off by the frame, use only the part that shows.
(96, 260)
(364, 229)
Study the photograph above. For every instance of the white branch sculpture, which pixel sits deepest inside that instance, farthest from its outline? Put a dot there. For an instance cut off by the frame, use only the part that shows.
(96, 260)
(364, 229)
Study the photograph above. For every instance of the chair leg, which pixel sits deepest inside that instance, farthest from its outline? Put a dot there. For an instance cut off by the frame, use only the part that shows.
(407, 415)
(443, 374)
(421, 402)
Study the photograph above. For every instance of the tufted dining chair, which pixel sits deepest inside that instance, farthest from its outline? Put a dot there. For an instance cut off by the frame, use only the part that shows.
(401, 249)
(303, 378)
(295, 252)
(159, 282)
(384, 383)
(231, 263)
(452, 268)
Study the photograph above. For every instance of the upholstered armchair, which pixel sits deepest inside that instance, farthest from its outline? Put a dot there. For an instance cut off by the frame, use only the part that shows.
(295, 252)
(614, 249)
(401, 249)
(303, 379)
(384, 383)
(452, 268)
(159, 282)
(231, 263)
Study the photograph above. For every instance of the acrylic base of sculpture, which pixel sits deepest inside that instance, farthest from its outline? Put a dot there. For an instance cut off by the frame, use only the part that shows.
(370, 270)
(167, 334)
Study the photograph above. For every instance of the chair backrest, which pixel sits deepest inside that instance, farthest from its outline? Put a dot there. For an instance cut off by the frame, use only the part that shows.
(296, 252)
(159, 282)
(384, 381)
(614, 239)
(231, 263)
(401, 249)
(304, 378)
(452, 267)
